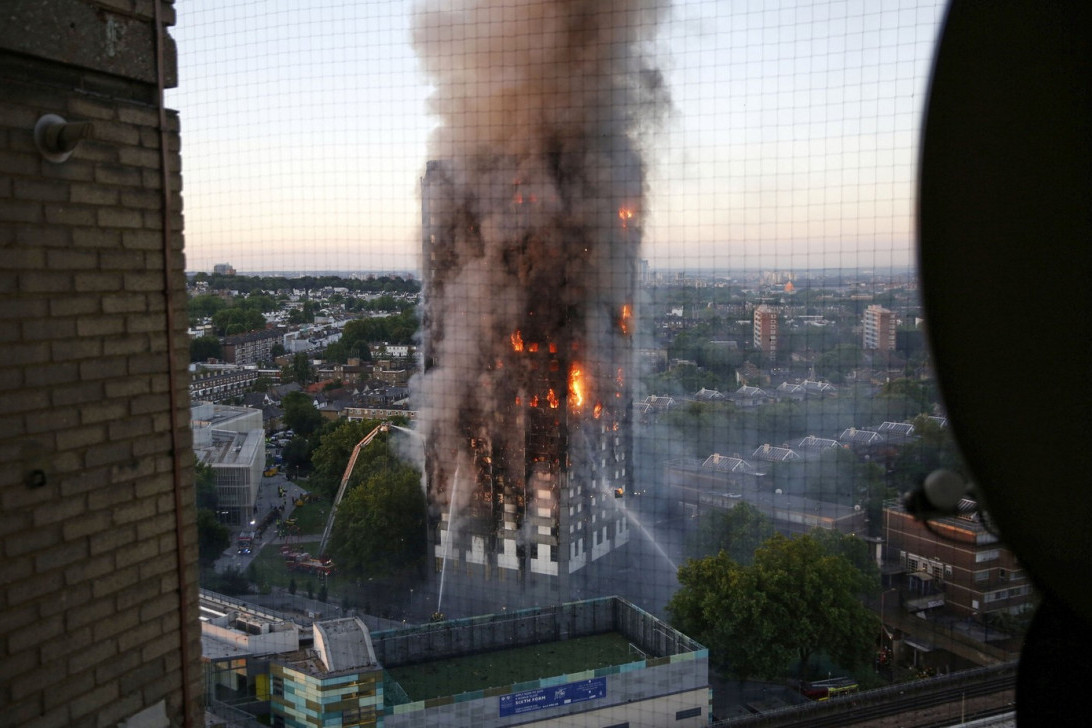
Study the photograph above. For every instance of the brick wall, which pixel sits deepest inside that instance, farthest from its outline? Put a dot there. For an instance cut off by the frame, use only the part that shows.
(97, 608)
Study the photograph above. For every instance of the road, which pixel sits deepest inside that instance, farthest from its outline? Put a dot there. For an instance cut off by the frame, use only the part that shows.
(268, 497)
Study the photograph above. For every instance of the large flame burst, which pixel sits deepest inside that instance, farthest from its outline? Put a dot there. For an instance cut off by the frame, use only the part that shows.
(576, 387)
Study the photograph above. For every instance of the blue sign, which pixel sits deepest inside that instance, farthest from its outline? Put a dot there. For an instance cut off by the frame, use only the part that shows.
(532, 700)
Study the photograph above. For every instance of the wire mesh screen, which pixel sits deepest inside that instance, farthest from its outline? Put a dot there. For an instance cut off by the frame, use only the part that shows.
(570, 300)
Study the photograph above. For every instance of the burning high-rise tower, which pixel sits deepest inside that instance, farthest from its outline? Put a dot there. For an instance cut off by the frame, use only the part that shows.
(531, 233)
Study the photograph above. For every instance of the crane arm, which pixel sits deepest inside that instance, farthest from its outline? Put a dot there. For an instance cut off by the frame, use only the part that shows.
(383, 427)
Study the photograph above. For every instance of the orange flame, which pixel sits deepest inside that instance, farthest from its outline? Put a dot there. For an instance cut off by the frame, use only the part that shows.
(532, 347)
(553, 348)
(517, 341)
(576, 387)
(598, 410)
(627, 314)
(534, 401)
(625, 214)
(552, 399)
(621, 378)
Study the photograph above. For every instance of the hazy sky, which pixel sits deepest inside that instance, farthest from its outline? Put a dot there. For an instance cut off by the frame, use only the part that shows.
(792, 143)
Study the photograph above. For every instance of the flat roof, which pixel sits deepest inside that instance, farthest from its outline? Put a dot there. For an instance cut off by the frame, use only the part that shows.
(233, 448)
(464, 673)
(214, 649)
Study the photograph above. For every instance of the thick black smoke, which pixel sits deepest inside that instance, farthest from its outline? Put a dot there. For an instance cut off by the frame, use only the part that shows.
(532, 220)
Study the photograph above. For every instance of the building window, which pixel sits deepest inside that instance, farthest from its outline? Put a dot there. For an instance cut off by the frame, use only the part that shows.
(688, 713)
(988, 555)
(981, 577)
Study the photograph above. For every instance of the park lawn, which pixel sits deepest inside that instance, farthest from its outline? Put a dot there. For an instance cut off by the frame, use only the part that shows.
(456, 675)
(311, 517)
(269, 568)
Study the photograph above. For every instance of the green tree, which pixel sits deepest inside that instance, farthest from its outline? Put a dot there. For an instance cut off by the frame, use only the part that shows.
(380, 525)
(780, 421)
(854, 550)
(231, 582)
(795, 601)
(836, 363)
(261, 384)
(204, 348)
(213, 537)
(300, 414)
(205, 305)
(297, 453)
(331, 455)
(397, 329)
(303, 315)
(260, 302)
(299, 370)
(237, 320)
(276, 350)
(738, 532)
(205, 481)
(336, 352)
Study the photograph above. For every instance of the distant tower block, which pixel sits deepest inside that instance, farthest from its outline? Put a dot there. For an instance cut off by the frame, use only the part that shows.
(879, 328)
(765, 330)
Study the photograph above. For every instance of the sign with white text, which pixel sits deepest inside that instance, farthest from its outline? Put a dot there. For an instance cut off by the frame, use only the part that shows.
(542, 698)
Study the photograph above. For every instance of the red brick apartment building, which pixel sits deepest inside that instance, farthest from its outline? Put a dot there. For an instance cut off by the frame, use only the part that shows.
(954, 562)
(98, 549)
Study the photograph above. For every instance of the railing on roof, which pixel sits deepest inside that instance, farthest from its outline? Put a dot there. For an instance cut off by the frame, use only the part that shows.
(235, 717)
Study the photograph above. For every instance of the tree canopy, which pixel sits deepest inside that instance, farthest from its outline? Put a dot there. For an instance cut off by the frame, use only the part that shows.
(204, 348)
(212, 537)
(205, 490)
(799, 598)
(397, 329)
(300, 414)
(380, 524)
(374, 284)
(237, 320)
(299, 370)
(331, 454)
(738, 532)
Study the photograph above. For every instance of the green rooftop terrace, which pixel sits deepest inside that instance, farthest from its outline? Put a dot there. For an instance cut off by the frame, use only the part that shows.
(454, 675)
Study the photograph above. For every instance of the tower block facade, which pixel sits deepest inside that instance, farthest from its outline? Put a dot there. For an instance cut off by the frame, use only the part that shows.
(526, 399)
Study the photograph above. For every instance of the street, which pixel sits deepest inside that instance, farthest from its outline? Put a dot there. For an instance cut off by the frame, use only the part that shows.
(268, 498)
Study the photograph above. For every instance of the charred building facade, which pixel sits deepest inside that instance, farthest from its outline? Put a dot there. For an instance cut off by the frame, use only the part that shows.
(527, 420)
(531, 239)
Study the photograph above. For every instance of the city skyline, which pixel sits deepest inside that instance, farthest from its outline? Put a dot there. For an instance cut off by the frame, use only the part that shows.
(791, 141)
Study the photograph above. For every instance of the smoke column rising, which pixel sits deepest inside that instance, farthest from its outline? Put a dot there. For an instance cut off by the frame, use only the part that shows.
(532, 228)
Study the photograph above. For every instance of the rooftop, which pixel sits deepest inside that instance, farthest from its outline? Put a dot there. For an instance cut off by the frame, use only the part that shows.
(465, 673)
(344, 644)
(233, 448)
